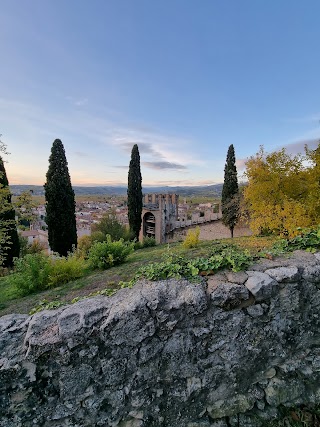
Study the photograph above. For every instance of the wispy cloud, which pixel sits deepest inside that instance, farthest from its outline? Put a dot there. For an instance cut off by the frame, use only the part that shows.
(293, 148)
(183, 183)
(312, 118)
(144, 147)
(298, 146)
(108, 141)
(164, 165)
(78, 102)
(155, 146)
(81, 154)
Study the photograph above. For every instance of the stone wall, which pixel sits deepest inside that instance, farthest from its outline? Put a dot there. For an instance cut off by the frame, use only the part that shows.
(172, 353)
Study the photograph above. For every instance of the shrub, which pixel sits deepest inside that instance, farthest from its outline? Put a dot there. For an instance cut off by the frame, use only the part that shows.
(84, 245)
(104, 255)
(110, 225)
(35, 247)
(31, 273)
(148, 242)
(192, 238)
(66, 269)
(37, 272)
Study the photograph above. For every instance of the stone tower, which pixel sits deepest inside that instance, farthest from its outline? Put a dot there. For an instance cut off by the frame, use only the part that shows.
(159, 216)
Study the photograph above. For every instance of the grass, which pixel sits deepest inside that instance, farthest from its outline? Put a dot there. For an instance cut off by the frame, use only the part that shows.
(11, 302)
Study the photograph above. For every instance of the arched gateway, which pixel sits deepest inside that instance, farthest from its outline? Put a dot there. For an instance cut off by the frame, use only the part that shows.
(159, 216)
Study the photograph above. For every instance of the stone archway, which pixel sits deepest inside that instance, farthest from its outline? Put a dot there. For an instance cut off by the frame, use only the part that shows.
(149, 225)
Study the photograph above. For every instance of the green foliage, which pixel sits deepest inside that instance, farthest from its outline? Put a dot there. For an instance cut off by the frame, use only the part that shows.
(51, 305)
(37, 272)
(192, 238)
(308, 239)
(31, 273)
(46, 305)
(106, 254)
(173, 266)
(230, 256)
(25, 205)
(60, 203)
(148, 242)
(230, 190)
(177, 266)
(9, 240)
(110, 225)
(63, 270)
(134, 193)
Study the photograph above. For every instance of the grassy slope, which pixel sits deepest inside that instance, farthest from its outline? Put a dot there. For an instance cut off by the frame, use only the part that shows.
(10, 302)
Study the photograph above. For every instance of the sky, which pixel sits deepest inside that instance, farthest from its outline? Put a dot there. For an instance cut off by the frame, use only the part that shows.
(183, 79)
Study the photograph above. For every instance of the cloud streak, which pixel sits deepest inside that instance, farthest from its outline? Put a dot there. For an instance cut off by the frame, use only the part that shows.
(164, 165)
(298, 147)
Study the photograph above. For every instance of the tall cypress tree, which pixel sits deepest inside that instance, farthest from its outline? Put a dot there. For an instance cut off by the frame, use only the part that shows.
(230, 192)
(60, 202)
(135, 193)
(9, 240)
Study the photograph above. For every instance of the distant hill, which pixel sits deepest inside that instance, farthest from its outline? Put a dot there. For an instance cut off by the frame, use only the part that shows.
(208, 190)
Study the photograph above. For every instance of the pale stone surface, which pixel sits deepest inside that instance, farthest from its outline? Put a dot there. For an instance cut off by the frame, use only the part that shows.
(284, 274)
(236, 277)
(169, 353)
(261, 285)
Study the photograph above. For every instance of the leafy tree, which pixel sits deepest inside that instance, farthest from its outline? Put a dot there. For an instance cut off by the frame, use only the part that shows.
(60, 203)
(25, 208)
(9, 240)
(283, 191)
(135, 193)
(230, 192)
(111, 226)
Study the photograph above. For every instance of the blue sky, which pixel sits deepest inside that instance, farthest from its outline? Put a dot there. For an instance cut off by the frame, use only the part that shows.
(183, 79)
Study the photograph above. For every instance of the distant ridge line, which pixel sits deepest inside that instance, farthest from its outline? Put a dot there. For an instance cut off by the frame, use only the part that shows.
(208, 190)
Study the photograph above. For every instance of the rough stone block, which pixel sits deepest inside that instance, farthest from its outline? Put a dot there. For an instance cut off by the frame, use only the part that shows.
(311, 273)
(284, 274)
(229, 295)
(261, 285)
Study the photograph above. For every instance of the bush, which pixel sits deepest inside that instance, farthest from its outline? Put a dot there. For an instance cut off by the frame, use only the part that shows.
(110, 225)
(37, 272)
(192, 238)
(83, 247)
(148, 242)
(31, 273)
(64, 270)
(106, 254)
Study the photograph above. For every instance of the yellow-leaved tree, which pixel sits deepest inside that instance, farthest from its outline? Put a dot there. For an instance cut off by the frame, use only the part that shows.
(282, 192)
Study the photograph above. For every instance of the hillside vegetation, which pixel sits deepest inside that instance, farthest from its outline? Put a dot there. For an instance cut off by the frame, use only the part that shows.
(153, 263)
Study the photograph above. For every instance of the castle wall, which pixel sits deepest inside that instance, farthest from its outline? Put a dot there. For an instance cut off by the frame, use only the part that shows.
(164, 207)
(226, 353)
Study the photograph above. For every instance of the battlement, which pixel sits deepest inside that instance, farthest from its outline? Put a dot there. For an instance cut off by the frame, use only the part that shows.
(159, 216)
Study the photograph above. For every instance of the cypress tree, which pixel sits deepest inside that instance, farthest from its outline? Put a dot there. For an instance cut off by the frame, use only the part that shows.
(60, 203)
(230, 192)
(9, 240)
(135, 193)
